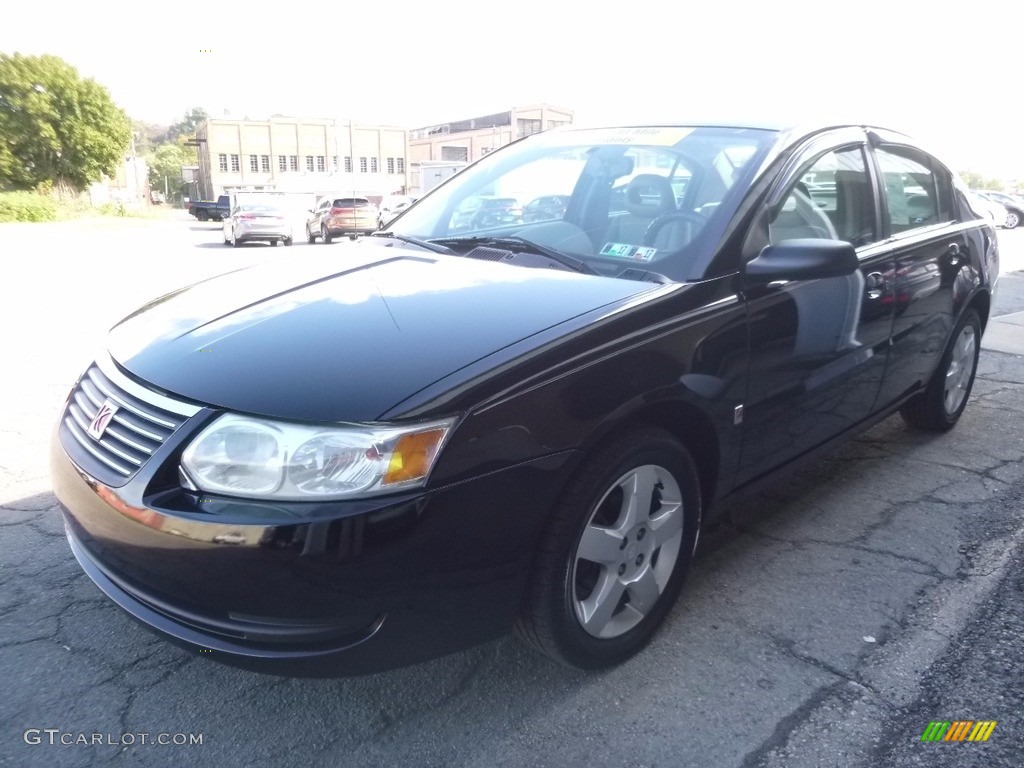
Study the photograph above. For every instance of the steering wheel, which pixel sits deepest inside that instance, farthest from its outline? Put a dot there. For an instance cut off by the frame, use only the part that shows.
(695, 219)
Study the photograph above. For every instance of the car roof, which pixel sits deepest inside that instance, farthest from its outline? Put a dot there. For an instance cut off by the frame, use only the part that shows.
(788, 133)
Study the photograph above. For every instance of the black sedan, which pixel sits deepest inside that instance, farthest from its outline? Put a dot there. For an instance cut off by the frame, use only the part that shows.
(334, 466)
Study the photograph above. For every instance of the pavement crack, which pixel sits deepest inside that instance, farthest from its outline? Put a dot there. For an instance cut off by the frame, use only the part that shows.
(930, 569)
(786, 725)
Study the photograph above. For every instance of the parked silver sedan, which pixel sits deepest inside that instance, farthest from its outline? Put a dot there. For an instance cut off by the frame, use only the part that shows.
(257, 221)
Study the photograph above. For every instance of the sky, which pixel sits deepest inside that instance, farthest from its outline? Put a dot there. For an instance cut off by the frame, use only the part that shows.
(946, 74)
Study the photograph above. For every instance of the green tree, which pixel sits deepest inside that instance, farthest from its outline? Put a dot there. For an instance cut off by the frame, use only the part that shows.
(165, 163)
(186, 127)
(978, 181)
(56, 128)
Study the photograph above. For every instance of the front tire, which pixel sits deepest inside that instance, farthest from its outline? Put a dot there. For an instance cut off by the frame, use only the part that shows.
(939, 407)
(310, 237)
(1012, 220)
(615, 552)
(287, 241)
(326, 235)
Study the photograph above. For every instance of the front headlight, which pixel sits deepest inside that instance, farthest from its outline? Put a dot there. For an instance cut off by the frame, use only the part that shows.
(255, 458)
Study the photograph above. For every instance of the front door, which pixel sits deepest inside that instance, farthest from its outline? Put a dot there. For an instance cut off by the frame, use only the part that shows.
(818, 348)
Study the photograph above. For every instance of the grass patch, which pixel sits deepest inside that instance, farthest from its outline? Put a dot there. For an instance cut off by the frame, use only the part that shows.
(27, 206)
(42, 206)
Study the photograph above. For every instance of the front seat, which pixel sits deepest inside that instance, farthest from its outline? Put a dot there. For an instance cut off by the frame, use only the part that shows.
(648, 196)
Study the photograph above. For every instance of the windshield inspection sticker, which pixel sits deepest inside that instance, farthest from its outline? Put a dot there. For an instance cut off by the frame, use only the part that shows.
(626, 251)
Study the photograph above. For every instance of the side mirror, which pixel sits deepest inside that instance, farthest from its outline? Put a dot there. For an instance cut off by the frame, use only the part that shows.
(803, 259)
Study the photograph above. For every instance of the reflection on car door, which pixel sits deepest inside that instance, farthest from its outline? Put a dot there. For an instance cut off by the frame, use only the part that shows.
(817, 347)
(929, 246)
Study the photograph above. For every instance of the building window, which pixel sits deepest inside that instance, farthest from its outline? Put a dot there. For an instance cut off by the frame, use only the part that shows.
(309, 163)
(254, 163)
(558, 123)
(282, 163)
(321, 164)
(265, 163)
(362, 165)
(223, 161)
(293, 162)
(348, 165)
(236, 163)
(391, 165)
(401, 164)
(334, 164)
(455, 154)
(374, 165)
(526, 127)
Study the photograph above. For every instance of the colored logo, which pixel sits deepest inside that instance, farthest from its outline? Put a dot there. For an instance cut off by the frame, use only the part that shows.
(102, 418)
(958, 730)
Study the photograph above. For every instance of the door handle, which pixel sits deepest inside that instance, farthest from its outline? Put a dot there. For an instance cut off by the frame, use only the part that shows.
(874, 282)
(953, 251)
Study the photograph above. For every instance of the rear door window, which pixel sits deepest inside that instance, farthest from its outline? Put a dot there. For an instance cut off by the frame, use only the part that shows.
(916, 194)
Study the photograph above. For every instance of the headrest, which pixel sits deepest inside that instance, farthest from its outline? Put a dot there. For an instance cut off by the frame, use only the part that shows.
(650, 196)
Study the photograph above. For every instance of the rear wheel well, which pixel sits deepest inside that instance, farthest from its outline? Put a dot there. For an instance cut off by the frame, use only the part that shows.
(981, 303)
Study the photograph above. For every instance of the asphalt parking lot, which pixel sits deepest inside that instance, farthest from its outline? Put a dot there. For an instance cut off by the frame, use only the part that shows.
(826, 622)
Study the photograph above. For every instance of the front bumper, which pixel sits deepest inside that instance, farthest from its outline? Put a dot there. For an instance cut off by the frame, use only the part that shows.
(306, 589)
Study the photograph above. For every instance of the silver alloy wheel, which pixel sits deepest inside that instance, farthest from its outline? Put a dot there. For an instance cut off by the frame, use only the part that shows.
(1012, 220)
(961, 365)
(621, 569)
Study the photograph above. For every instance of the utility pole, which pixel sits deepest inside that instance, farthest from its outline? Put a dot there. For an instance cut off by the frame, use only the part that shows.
(352, 151)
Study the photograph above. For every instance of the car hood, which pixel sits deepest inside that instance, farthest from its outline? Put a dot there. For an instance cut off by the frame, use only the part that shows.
(346, 335)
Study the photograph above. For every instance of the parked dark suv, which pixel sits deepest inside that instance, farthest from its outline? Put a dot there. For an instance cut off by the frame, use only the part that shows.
(545, 208)
(483, 211)
(323, 466)
(337, 216)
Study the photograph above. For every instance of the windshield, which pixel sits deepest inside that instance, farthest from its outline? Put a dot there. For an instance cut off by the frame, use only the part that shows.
(642, 198)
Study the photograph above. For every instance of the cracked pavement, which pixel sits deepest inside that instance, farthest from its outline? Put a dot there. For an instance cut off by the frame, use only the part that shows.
(826, 620)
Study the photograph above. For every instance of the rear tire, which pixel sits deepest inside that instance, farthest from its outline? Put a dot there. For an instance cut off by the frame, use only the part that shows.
(310, 237)
(615, 552)
(287, 241)
(939, 407)
(1012, 220)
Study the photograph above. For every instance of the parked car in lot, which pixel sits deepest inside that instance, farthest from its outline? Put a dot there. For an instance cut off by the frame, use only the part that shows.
(545, 208)
(323, 467)
(997, 212)
(390, 207)
(1014, 208)
(250, 222)
(337, 216)
(211, 210)
(484, 211)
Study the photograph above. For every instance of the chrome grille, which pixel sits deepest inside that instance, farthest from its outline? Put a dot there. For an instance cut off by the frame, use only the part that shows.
(142, 423)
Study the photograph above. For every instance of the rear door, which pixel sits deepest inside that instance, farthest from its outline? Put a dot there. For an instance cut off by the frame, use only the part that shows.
(930, 245)
(817, 347)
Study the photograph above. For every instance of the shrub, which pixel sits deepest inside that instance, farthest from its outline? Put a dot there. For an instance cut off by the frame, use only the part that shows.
(115, 208)
(27, 206)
